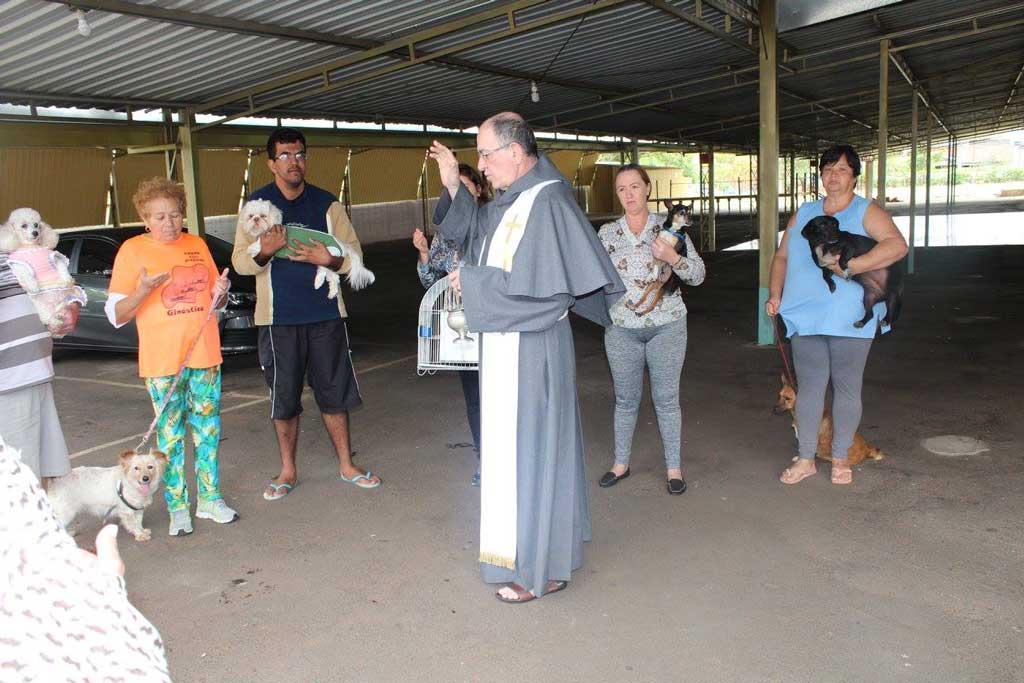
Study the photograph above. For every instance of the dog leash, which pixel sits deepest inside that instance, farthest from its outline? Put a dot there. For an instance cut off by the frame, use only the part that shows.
(786, 369)
(177, 377)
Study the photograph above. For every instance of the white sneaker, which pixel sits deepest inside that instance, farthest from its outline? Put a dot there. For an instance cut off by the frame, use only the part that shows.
(181, 523)
(217, 510)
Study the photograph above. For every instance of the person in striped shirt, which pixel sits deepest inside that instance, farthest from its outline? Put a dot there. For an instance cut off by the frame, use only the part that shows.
(28, 415)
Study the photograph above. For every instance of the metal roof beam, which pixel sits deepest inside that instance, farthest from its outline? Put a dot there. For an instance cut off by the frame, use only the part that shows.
(383, 49)
(734, 74)
(241, 26)
(700, 23)
(322, 72)
(971, 18)
(1013, 91)
(908, 75)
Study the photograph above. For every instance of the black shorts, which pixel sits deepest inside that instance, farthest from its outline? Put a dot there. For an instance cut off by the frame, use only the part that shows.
(316, 351)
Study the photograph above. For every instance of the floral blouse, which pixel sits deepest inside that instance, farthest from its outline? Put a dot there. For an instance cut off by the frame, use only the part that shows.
(442, 257)
(631, 255)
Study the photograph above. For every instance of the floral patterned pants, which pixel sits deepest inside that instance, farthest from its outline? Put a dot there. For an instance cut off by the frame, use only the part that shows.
(197, 400)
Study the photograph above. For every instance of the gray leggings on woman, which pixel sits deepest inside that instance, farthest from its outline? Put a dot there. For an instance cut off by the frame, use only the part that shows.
(662, 349)
(817, 357)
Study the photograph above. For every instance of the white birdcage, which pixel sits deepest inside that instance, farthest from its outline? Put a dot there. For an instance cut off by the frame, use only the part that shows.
(439, 346)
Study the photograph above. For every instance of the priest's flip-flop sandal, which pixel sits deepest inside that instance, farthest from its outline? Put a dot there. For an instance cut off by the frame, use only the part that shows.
(523, 595)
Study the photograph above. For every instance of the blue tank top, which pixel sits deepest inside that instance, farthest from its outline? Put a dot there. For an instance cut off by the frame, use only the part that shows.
(807, 305)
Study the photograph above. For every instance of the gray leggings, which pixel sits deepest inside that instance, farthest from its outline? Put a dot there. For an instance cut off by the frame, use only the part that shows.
(662, 349)
(817, 357)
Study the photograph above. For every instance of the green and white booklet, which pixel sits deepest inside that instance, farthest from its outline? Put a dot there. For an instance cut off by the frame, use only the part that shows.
(307, 236)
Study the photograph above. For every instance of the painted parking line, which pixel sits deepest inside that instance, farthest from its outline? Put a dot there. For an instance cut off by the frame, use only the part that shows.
(255, 401)
(228, 394)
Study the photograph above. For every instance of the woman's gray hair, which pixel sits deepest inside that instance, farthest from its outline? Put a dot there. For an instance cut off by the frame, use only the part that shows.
(509, 128)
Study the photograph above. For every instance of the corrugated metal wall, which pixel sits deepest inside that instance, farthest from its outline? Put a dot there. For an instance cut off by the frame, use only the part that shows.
(67, 186)
(221, 172)
(378, 175)
(325, 168)
(129, 171)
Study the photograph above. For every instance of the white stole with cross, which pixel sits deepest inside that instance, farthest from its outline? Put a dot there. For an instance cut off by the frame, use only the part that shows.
(499, 401)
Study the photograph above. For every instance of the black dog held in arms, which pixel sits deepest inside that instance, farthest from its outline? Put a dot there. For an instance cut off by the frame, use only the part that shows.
(831, 245)
(663, 280)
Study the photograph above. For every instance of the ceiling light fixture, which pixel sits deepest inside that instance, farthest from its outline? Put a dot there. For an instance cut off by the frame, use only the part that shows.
(83, 26)
(534, 93)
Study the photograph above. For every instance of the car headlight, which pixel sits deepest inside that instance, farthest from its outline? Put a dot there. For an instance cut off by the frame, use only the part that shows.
(241, 299)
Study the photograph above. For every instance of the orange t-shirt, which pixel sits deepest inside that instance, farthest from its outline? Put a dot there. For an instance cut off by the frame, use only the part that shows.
(170, 317)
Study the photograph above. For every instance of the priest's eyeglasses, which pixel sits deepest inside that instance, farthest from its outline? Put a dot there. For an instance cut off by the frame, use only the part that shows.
(484, 153)
(288, 156)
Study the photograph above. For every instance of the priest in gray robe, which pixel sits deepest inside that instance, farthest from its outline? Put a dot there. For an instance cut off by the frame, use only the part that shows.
(530, 256)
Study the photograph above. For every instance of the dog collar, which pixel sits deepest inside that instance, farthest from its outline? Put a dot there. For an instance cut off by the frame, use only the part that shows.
(120, 494)
(681, 236)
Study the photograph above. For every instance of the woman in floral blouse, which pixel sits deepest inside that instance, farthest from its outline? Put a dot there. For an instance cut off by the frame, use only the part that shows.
(656, 339)
(435, 263)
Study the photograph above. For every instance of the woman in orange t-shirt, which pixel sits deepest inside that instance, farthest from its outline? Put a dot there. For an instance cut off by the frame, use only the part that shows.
(167, 281)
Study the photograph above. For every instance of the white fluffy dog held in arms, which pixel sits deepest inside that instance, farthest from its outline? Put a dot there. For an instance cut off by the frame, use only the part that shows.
(259, 215)
(42, 272)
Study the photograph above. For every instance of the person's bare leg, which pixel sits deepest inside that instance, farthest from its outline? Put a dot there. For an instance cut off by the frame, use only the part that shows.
(337, 427)
(287, 444)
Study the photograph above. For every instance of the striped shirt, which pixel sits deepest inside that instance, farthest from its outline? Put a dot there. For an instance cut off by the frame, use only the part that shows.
(25, 345)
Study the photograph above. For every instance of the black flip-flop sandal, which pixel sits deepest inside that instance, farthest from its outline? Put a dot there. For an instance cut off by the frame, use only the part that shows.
(676, 487)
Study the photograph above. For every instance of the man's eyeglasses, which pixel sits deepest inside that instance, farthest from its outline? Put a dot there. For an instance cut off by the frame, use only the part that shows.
(288, 156)
(484, 153)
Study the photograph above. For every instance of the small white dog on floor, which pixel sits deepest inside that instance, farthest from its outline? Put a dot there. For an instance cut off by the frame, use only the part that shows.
(259, 215)
(42, 272)
(124, 491)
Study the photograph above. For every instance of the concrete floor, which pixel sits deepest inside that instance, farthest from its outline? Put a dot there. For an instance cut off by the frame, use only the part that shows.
(914, 573)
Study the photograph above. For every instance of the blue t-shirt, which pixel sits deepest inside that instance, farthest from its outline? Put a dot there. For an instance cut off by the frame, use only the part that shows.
(291, 282)
(808, 307)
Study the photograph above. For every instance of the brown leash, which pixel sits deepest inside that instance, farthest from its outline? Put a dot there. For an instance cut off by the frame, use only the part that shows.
(787, 370)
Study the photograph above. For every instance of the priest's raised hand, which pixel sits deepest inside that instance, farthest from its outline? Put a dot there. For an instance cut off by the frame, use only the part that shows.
(447, 166)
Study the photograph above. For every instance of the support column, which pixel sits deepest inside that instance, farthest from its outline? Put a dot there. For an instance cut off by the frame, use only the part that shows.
(634, 152)
(792, 182)
(883, 116)
(869, 177)
(712, 207)
(949, 178)
(168, 136)
(768, 164)
(190, 173)
(927, 175)
(913, 177)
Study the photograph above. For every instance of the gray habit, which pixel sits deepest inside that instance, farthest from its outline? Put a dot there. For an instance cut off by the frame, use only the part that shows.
(560, 265)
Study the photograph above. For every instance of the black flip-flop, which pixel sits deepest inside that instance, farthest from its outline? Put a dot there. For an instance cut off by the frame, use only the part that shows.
(611, 479)
(676, 487)
(559, 586)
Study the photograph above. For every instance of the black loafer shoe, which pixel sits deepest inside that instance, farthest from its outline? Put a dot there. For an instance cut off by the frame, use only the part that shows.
(676, 487)
(611, 479)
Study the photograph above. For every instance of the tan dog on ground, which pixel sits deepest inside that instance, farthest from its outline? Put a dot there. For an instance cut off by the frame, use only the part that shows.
(124, 491)
(859, 451)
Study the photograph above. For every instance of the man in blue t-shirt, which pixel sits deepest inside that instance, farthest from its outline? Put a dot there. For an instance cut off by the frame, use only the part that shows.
(301, 330)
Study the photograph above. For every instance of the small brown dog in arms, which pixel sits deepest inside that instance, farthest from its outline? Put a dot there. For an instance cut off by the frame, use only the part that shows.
(859, 451)
(124, 491)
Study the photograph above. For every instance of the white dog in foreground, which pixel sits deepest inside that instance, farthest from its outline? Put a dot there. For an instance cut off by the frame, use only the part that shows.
(259, 215)
(42, 272)
(123, 492)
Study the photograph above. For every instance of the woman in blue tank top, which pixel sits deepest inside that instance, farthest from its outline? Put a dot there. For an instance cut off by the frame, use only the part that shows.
(825, 343)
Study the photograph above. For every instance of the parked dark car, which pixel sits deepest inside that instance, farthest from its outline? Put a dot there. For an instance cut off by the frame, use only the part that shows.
(91, 252)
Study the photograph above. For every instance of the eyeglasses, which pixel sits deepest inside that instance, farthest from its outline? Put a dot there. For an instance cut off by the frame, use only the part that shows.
(484, 153)
(288, 156)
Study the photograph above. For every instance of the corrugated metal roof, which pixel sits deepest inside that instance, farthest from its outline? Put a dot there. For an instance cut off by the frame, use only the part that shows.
(622, 52)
